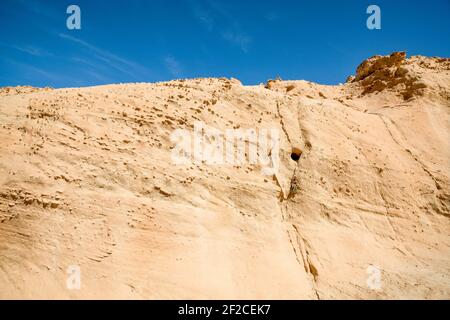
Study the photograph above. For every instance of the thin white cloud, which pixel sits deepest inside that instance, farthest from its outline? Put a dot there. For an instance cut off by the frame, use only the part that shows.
(32, 73)
(204, 17)
(202, 14)
(238, 39)
(94, 70)
(272, 16)
(212, 11)
(119, 63)
(173, 65)
(98, 76)
(31, 50)
(40, 8)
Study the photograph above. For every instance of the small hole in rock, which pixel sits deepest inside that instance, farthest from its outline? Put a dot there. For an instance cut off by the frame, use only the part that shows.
(295, 156)
(296, 153)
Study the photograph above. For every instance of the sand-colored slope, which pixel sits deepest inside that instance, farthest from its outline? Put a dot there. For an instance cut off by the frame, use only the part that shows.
(87, 178)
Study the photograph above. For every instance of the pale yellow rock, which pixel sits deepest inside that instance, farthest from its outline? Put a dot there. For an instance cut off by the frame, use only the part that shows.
(87, 179)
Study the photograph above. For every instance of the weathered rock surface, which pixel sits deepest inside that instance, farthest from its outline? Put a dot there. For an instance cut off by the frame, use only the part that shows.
(87, 178)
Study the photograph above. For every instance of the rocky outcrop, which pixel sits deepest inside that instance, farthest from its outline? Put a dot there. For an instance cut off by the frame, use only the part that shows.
(5, 91)
(397, 73)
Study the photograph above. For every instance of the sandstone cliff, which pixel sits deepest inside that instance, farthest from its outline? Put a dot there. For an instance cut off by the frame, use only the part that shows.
(87, 178)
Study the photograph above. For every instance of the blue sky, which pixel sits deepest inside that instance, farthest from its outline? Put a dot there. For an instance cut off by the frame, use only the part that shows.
(156, 40)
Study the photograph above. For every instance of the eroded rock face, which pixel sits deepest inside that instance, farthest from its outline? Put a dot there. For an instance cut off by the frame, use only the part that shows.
(380, 66)
(396, 73)
(21, 90)
(88, 180)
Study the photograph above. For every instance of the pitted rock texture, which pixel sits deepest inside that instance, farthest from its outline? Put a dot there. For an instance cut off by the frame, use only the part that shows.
(87, 179)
